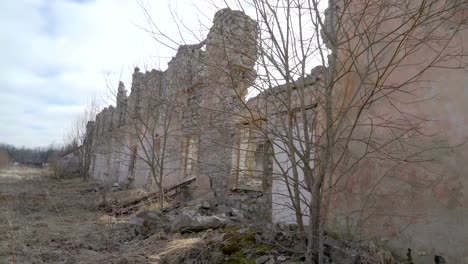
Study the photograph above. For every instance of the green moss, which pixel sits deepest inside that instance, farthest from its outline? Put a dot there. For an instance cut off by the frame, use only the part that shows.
(249, 237)
(230, 247)
(334, 235)
(233, 261)
(296, 260)
(237, 258)
(263, 248)
(234, 242)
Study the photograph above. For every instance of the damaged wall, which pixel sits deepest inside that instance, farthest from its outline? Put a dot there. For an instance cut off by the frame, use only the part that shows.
(409, 207)
(187, 110)
(411, 203)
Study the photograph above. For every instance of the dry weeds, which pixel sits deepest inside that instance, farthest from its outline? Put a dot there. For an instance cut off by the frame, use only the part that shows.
(47, 220)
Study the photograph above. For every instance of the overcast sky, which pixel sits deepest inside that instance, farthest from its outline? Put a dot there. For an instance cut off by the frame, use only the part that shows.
(57, 54)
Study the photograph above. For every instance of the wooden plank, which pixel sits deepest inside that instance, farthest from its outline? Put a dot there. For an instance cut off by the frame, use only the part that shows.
(133, 205)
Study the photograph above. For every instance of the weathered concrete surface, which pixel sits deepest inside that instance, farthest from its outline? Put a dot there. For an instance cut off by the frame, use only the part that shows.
(184, 111)
(421, 204)
(421, 207)
(69, 164)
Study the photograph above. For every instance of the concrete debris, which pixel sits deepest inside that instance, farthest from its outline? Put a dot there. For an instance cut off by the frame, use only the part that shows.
(206, 205)
(263, 259)
(281, 258)
(341, 251)
(188, 223)
(116, 187)
(147, 222)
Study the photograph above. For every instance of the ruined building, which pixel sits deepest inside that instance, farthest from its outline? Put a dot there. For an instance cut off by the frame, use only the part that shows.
(192, 123)
(184, 114)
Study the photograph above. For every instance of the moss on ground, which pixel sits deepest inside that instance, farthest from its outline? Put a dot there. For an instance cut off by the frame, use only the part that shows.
(237, 244)
(263, 249)
(234, 241)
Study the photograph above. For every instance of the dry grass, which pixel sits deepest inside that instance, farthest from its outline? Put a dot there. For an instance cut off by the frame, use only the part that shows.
(376, 254)
(46, 220)
(50, 220)
(162, 248)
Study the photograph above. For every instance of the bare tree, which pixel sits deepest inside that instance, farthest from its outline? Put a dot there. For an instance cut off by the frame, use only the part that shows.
(318, 125)
(153, 125)
(323, 124)
(28, 156)
(76, 140)
(142, 134)
(4, 159)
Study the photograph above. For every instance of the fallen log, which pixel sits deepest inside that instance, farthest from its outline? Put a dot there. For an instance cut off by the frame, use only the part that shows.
(132, 206)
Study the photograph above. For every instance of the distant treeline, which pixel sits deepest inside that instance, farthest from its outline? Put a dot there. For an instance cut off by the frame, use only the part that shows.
(4, 159)
(25, 155)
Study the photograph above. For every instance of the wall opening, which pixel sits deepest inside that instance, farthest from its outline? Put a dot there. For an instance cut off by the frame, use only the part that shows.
(247, 160)
(190, 156)
(131, 166)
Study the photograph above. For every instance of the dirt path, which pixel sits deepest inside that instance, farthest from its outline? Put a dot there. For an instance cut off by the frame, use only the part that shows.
(46, 220)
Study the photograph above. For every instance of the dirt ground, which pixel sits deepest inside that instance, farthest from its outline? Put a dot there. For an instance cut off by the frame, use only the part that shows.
(49, 220)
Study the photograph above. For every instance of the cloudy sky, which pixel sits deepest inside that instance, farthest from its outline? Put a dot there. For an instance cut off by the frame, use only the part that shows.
(58, 54)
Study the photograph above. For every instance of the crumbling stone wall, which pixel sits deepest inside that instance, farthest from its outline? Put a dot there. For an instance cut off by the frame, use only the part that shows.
(410, 205)
(209, 79)
(199, 79)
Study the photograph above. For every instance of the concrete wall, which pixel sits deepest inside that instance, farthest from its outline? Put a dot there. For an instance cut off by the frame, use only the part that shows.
(418, 202)
(187, 110)
(282, 207)
(421, 204)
